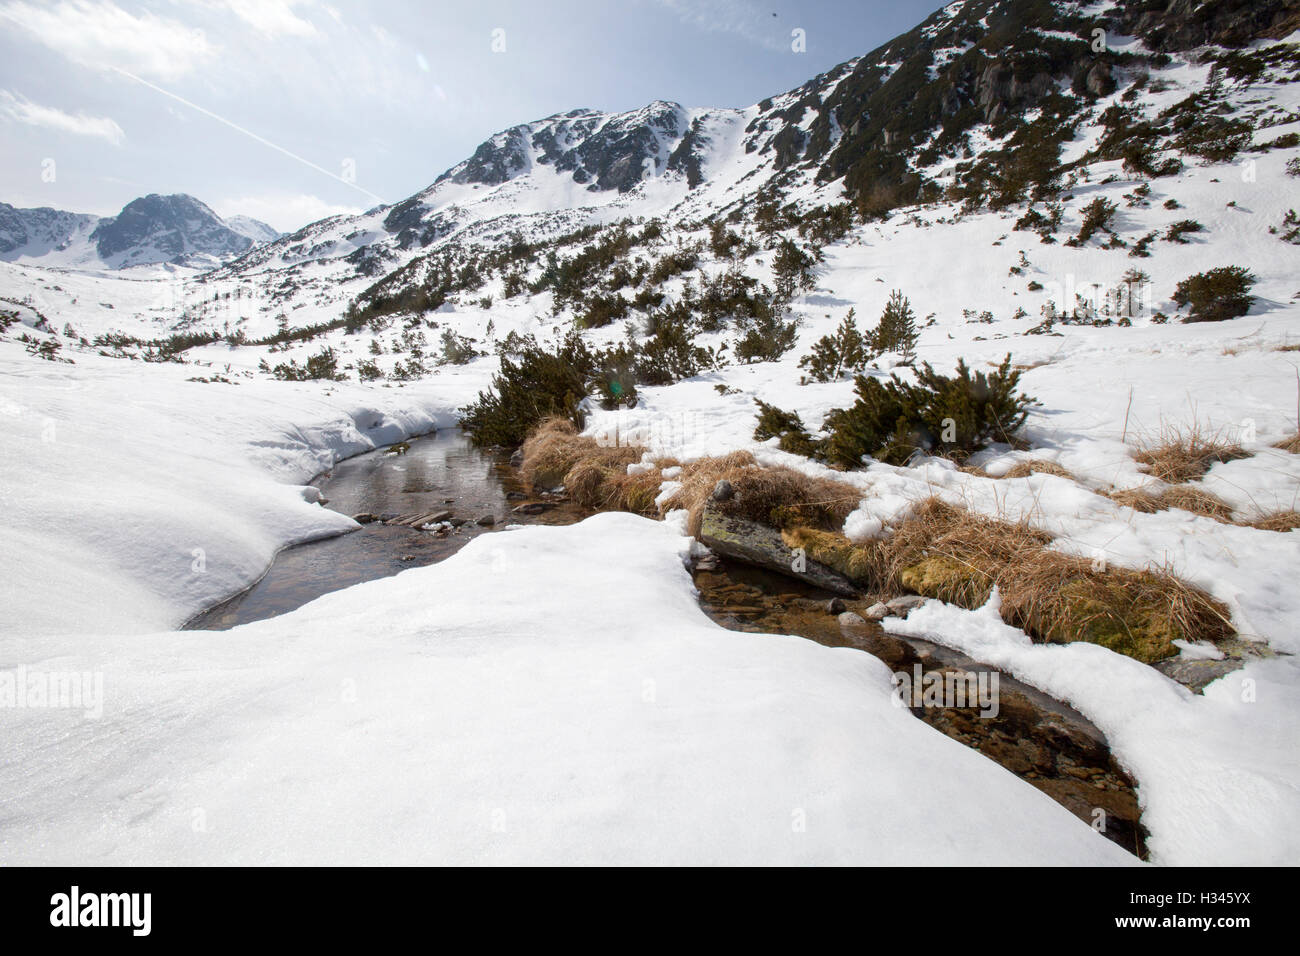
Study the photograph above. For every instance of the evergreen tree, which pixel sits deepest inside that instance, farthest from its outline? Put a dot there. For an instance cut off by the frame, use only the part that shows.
(897, 329)
(833, 355)
(791, 270)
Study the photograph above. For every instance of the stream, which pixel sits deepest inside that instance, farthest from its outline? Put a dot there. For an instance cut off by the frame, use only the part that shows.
(423, 505)
(439, 472)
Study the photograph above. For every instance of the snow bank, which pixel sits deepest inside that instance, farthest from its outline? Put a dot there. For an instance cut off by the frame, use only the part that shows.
(517, 703)
(1218, 776)
(131, 498)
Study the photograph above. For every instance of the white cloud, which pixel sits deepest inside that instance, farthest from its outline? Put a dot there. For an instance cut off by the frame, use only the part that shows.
(98, 33)
(23, 110)
(286, 212)
(272, 18)
(730, 16)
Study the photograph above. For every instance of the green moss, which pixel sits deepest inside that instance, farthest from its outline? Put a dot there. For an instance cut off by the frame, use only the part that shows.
(947, 579)
(1102, 612)
(859, 564)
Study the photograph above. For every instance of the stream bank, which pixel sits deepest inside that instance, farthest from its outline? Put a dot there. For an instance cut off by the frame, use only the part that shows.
(422, 501)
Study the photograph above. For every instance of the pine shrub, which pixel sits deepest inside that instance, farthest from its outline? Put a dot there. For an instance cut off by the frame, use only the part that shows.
(953, 416)
(529, 389)
(1216, 295)
(788, 427)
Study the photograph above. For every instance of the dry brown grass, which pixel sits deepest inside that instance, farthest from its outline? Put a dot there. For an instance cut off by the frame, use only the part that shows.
(1291, 444)
(949, 553)
(1277, 521)
(1060, 598)
(1196, 500)
(1179, 454)
(1038, 466)
(939, 550)
(781, 497)
(957, 556)
(555, 447)
(604, 485)
(937, 528)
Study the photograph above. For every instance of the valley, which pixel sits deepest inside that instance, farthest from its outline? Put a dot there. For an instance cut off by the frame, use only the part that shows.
(998, 319)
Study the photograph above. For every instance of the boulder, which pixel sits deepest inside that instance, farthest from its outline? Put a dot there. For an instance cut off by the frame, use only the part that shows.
(763, 546)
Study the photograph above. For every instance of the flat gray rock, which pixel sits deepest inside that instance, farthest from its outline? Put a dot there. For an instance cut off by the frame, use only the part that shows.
(760, 545)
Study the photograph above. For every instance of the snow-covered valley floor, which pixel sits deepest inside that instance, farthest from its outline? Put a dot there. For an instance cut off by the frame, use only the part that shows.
(546, 695)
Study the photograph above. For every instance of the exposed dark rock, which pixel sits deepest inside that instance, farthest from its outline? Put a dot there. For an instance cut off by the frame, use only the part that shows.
(1184, 24)
(1002, 88)
(158, 228)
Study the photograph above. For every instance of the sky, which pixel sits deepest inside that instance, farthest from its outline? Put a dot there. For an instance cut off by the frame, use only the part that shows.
(292, 110)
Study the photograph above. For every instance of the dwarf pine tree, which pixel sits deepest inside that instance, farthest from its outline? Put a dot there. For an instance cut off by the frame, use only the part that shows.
(791, 270)
(833, 355)
(897, 329)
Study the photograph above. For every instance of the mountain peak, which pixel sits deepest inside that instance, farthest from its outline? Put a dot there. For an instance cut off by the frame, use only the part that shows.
(175, 228)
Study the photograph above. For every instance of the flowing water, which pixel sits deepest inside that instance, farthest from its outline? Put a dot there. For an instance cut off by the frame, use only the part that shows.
(438, 472)
(1041, 740)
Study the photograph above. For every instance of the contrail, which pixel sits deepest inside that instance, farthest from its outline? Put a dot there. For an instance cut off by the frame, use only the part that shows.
(248, 133)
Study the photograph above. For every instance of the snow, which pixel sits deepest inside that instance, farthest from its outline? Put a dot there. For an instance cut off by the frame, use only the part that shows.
(506, 726)
(133, 498)
(1219, 779)
(475, 712)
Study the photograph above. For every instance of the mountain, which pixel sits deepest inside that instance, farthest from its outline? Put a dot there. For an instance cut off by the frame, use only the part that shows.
(38, 232)
(980, 102)
(254, 229)
(177, 229)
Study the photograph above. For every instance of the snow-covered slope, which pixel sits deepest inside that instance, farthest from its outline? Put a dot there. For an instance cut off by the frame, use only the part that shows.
(254, 229)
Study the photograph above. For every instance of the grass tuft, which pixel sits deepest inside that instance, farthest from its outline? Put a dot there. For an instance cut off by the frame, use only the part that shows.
(779, 496)
(1038, 466)
(1179, 454)
(1277, 521)
(555, 447)
(1196, 500)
